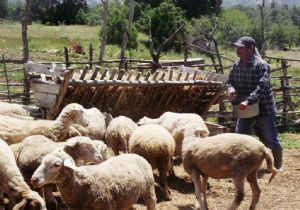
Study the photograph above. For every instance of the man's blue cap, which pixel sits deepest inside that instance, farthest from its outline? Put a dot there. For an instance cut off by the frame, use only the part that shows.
(245, 41)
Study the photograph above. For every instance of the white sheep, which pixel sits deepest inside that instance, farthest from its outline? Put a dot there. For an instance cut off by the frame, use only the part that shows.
(26, 112)
(96, 128)
(223, 156)
(157, 146)
(118, 133)
(31, 150)
(13, 184)
(180, 125)
(13, 130)
(114, 184)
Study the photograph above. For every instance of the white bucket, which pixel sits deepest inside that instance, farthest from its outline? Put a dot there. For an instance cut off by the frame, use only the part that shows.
(249, 111)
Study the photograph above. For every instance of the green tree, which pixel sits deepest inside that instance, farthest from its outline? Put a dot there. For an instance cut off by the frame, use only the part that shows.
(116, 23)
(16, 10)
(282, 35)
(3, 8)
(233, 24)
(165, 19)
(192, 8)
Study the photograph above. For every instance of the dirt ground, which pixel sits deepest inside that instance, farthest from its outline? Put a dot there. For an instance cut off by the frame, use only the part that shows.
(283, 193)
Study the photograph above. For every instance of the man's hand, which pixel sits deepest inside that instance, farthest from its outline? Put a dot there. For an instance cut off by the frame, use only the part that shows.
(243, 105)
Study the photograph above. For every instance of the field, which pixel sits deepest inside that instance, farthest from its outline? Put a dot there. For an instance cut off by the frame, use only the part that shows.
(47, 44)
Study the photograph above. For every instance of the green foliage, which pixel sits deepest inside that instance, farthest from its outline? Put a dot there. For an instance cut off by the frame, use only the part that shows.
(192, 8)
(56, 12)
(233, 24)
(15, 11)
(94, 15)
(116, 23)
(165, 19)
(3, 8)
(283, 35)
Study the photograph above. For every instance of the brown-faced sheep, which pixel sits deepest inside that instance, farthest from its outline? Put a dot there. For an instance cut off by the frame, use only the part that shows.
(224, 156)
(157, 146)
(14, 130)
(96, 128)
(31, 150)
(13, 184)
(118, 133)
(180, 125)
(116, 183)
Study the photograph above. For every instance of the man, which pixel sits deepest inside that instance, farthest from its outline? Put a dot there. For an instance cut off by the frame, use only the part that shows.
(249, 83)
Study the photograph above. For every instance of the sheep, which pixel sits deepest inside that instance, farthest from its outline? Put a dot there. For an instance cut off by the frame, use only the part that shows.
(116, 183)
(26, 112)
(31, 150)
(227, 155)
(13, 130)
(13, 184)
(96, 128)
(157, 146)
(180, 125)
(118, 133)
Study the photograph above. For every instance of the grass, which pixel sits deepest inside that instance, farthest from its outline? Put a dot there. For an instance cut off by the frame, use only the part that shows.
(290, 140)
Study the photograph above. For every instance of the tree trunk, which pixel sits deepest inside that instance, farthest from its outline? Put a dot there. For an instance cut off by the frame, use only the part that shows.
(25, 20)
(103, 37)
(126, 34)
(262, 28)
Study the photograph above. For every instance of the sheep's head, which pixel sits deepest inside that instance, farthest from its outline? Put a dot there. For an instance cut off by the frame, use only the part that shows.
(84, 150)
(75, 114)
(194, 130)
(144, 120)
(51, 170)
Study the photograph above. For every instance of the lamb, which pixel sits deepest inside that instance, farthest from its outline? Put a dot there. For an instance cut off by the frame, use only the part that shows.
(31, 150)
(13, 184)
(116, 183)
(180, 125)
(96, 128)
(157, 146)
(118, 133)
(227, 155)
(14, 130)
(26, 112)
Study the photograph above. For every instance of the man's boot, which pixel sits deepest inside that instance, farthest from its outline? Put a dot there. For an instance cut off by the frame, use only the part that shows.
(277, 155)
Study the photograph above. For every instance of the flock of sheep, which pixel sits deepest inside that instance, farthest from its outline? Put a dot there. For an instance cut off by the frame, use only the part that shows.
(38, 157)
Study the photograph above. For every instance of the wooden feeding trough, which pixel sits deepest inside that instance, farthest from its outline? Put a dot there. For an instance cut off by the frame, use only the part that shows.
(125, 93)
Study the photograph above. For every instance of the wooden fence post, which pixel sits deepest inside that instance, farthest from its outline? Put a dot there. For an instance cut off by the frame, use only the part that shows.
(67, 57)
(6, 77)
(91, 55)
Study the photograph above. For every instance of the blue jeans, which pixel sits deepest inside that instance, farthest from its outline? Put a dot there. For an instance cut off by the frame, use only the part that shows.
(264, 127)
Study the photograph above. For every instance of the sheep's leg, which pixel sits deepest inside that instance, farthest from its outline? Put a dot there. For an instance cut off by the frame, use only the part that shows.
(204, 187)
(50, 199)
(164, 166)
(150, 199)
(197, 185)
(252, 179)
(239, 192)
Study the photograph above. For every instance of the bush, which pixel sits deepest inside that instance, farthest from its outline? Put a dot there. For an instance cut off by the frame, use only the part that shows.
(165, 19)
(283, 35)
(233, 24)
(116, 22)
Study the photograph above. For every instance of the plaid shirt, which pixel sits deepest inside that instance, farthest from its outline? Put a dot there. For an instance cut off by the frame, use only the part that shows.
(252, 83)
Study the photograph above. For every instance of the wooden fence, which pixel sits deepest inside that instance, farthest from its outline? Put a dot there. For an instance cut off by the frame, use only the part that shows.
(285, 86)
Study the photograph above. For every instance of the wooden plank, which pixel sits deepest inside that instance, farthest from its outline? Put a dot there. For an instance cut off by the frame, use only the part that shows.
(84, 72)
(45, 100)
(46, 88)
(54, 111)
(94, 75)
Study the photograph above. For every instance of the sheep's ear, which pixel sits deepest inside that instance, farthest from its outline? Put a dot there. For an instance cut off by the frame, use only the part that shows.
(68, 163)
(21, 205)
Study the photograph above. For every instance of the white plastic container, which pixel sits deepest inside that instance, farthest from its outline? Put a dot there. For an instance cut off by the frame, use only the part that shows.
(249, 111)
